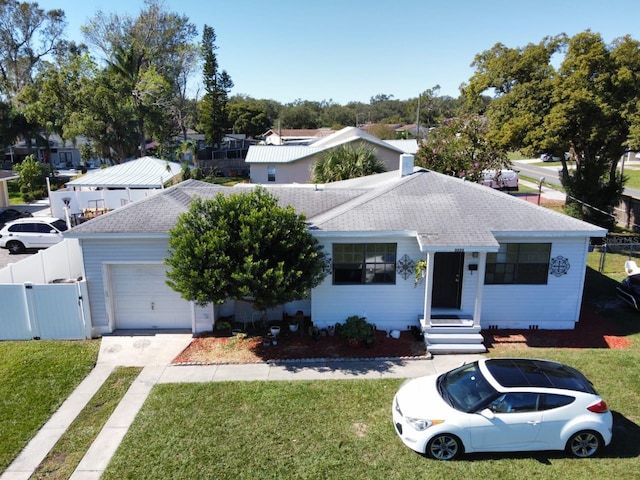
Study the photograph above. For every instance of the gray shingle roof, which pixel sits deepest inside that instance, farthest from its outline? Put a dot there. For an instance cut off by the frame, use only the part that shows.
(449, 212)
(158, 213)
(442, 211)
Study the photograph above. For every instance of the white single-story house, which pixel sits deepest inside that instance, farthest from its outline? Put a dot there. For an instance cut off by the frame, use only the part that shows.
(280, 164)
(111, 187)
(490, 260)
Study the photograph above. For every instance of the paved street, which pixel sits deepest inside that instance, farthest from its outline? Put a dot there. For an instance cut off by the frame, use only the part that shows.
(532, 168)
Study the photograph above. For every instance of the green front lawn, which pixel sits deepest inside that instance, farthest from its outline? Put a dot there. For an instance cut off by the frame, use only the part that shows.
(35, 379)
(633, 178)
(342, 429)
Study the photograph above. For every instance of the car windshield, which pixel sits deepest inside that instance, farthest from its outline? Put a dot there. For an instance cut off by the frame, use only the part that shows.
(465, 388)
(60, 225)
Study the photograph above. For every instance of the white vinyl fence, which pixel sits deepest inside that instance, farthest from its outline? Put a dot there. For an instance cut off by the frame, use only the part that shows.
(79, 200)
(45, 296)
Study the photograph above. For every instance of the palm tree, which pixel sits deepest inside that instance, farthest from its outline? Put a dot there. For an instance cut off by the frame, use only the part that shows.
(187, 152)
(344, 162)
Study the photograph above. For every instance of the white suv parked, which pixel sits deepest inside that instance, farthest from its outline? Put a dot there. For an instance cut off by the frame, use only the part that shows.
(35, 232)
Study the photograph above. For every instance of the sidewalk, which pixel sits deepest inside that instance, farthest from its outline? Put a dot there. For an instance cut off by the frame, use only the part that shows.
(547, 193)
(154, 352)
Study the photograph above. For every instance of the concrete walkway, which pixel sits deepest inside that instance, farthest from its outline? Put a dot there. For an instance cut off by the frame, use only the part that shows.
(547, 193)
(154, 352)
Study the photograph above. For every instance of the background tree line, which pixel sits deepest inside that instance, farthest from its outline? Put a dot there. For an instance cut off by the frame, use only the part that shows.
(130, 83)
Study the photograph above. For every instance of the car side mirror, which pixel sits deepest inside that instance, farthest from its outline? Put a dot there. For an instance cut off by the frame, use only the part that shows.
(487, 414)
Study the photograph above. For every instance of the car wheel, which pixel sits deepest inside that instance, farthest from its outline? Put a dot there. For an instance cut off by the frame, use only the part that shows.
(584, 444)
(444, 447)
(15, 247)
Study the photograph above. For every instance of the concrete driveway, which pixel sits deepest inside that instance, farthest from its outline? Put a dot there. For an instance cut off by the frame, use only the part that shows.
(142, 348)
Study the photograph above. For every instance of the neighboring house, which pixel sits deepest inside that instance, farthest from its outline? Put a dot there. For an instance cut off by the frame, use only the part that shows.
(60, 154)
(295, 136)
(272, 164)
(229, 159)
(490, 260)
(112, 187)
(413, 130)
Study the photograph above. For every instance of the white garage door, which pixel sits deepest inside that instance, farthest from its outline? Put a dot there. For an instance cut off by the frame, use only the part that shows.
(142, 299)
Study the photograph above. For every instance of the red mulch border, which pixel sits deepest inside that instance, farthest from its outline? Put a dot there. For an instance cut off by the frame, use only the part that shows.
(592, 331)
(293, 346)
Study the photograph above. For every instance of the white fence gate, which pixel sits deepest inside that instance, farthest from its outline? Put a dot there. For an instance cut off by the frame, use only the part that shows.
(44, 296)
(52, 312)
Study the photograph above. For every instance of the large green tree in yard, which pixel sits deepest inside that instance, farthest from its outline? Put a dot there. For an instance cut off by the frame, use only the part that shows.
(588, 106)
(147, 59)
(248, 117)
(344, 162)
(243, 246)
(29, 36)
(213, 114)
(460, 148)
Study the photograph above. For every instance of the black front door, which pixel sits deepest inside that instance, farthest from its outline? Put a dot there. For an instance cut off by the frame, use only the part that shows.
(447, 280)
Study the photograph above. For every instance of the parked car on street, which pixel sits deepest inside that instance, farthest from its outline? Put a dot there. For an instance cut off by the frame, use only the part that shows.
(502, 405)
(504, 179)
(547, 157)
(9, 214)
(35, 232)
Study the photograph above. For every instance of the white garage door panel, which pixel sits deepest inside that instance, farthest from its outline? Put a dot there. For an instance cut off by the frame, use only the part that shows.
(142, 299)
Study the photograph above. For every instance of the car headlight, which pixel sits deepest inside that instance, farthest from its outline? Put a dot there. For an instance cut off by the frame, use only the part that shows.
(421, 424)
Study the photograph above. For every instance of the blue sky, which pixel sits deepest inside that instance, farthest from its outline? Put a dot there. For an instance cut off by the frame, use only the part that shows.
(352, 50)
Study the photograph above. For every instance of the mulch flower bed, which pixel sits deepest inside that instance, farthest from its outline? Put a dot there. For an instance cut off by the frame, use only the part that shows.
(592, 331)
(221, 347)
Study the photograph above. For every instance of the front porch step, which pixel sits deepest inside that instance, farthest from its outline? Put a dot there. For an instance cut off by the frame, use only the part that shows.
(449, 325)
(443, 348)
(451, 330)
(451, 322)
(452, 335)
(463, 338)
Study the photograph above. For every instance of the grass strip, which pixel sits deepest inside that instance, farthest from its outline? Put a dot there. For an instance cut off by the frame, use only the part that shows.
(36, 377)
(65, 456)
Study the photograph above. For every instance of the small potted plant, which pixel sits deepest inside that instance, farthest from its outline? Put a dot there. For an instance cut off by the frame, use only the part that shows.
(314, 332)
(356, 330)
(223, 325)
(296, 321)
